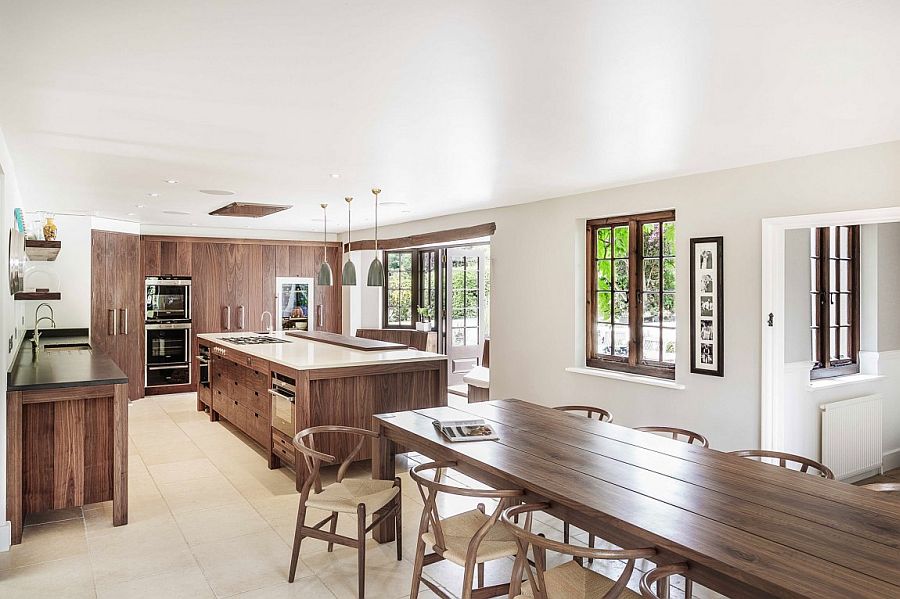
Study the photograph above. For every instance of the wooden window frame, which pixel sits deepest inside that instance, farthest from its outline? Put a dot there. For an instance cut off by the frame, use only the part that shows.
(823, 365)
(414, 292)
(634, 363)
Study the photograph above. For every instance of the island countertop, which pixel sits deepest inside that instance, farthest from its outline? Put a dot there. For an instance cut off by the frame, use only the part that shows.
(304, 354)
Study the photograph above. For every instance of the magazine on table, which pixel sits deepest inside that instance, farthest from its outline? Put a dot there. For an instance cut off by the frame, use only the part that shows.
(472, 429)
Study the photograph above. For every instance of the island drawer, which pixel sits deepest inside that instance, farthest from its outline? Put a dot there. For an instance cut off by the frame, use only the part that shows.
(283, 448)
(248, 361)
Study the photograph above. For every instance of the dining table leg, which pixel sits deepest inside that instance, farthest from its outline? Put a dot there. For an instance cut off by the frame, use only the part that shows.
(384, 451)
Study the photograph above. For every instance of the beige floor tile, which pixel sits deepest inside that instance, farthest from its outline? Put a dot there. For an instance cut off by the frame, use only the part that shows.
(46, 542)
(386, 578)
(302, 588)
(186, 582)
(137, 551)
(181, 471)
(141, 510)
(246, 563)
(68, 578)
(165, 453)
(219, 523)
(199, 494)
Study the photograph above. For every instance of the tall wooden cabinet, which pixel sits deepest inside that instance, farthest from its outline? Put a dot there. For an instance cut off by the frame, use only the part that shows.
(117, 309)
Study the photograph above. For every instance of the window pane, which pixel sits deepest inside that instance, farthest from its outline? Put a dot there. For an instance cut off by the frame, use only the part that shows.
(650, 236)
(471, 317)
(833, 275)
(620, 307)
(813, 305)
(620, 340)
(651, 274)
(832, 242)
(669, 274)
(472, 336)
(650, 344)
(668, 311)
(604, 307)
(844, 236)
(844, 268)
(393, 279)
(835, 343)
(813, 274)
(669, 239)
(668, 346)
(603, 343)
(621, 242)
(845, 342)
(621, 267)
(604, 243)
(604, 275)
(844, 309)
(459, 337)
(814, 350)
(651, 307)
(832, 308)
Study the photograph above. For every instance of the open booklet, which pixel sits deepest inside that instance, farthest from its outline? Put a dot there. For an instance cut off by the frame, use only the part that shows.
(457, 430)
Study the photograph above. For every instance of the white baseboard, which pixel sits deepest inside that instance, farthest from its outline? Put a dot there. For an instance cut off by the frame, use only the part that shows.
(5, 536)
(891, 460)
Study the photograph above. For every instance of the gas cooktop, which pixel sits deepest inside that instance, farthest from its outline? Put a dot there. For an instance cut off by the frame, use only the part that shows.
(255, 340)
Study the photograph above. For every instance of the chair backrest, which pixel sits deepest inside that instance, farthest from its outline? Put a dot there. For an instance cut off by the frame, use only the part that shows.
(664, 573)
(486, 353)
(679, 434)
(589, 411)
(784, 459)
(431, 487)
(305, 443)
(883, 487)
(408, 337)
(539, 546)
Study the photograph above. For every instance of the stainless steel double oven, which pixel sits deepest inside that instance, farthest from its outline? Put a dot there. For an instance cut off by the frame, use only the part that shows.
(168, 331)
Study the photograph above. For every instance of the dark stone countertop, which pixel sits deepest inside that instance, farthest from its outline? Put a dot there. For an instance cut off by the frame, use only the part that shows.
(59, 368)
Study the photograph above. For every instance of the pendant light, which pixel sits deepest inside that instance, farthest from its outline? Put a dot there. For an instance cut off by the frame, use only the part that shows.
(325, 275)
(348, 274)
(376, 269)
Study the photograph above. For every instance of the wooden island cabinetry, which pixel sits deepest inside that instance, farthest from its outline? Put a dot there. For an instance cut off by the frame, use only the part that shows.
(330, 384)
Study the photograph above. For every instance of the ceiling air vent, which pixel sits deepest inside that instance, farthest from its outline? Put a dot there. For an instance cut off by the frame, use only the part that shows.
(248, 209)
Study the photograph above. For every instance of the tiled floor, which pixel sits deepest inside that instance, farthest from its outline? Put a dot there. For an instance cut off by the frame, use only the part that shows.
(207, 518)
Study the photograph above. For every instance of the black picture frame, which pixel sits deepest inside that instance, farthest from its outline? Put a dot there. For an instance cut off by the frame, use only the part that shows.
(707, 306)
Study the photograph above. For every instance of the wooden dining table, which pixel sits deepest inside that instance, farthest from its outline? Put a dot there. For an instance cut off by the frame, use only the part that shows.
(745, 528)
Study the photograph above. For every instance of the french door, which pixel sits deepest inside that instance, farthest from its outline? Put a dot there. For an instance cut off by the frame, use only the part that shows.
(465, 308)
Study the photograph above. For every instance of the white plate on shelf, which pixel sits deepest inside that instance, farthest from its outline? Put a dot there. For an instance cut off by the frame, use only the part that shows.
(37, 277)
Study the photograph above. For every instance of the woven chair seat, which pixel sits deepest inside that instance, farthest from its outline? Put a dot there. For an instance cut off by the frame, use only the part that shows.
(458, 530)
(343, 497)
(571, 581)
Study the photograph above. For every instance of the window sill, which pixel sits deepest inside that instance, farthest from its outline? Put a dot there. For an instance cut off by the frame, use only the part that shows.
(843, 381)
(625, 376)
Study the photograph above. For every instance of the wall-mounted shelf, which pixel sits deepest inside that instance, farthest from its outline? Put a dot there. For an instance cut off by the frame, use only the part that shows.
(44, 251)
(38, 295)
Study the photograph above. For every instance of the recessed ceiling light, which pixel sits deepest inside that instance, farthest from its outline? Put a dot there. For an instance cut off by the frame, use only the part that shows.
(193, 224)
(131, 214)
(217, 192)
(178, 212)
(171, 181)
(392, 204)
(335, 175)
(153, 195)
(139, 206)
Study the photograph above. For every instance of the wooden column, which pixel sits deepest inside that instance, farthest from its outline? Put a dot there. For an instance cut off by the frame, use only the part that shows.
(120, 455)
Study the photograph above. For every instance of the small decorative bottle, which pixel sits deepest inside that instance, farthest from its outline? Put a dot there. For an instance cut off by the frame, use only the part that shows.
(50, 228)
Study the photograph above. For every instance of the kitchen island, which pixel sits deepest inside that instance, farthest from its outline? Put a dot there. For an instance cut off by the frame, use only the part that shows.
(67, 432)
(272, 385)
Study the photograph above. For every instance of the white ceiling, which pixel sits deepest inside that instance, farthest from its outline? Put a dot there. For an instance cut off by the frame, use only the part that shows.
(447, 106)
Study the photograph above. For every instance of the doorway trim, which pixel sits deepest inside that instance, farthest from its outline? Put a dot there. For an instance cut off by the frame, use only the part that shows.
(772, 359)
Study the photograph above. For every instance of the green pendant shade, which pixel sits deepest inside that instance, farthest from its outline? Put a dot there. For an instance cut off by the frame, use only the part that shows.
(376, 273)
(348, 275)
(325, 275)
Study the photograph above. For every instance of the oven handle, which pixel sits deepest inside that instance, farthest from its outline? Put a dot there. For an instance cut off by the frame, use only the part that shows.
(203, 361)
(180, 367)
(275, 393)
(150, 326)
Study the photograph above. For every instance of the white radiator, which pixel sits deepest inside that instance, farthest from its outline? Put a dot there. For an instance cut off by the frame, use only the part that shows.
(851, 436)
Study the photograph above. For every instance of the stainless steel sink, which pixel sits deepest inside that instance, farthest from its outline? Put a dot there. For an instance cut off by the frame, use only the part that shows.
(66, 346)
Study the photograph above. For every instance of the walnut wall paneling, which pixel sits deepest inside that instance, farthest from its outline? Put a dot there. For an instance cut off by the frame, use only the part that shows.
(166, 258)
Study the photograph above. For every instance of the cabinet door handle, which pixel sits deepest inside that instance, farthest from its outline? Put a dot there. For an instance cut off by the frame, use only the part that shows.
(227, 323)
(112, 322)
(320, 316)
(123, 321)
(240, 312)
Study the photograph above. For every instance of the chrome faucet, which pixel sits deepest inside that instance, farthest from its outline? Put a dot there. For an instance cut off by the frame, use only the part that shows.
(262, 320)
(36, 335)
(38, 309)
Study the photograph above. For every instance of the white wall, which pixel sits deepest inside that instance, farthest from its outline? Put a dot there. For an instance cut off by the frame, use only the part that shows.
(537, 330)
(12, 313)
(361, 303)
